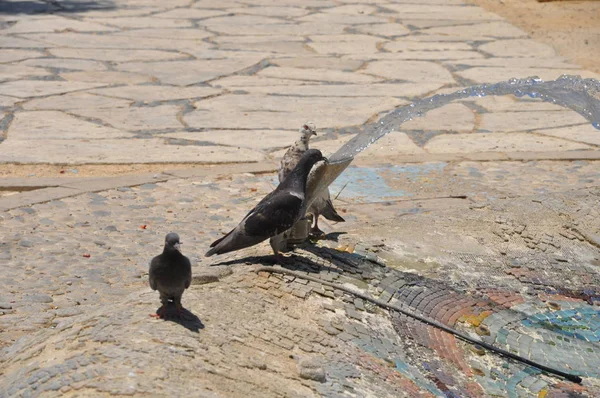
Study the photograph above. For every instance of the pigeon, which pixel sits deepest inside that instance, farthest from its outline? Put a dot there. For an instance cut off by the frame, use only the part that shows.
(322, 204)
(170, 274)
(274, 214)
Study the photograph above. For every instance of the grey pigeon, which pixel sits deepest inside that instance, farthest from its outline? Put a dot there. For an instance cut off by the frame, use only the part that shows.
(322, 204)
(170, 274)
(274, 214)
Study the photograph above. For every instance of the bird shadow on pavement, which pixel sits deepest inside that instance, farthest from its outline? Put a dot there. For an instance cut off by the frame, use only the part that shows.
(295, 261)
(186, 318)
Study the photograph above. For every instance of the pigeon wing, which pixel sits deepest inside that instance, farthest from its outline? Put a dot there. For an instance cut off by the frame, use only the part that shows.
(276, 213)
(154, 264)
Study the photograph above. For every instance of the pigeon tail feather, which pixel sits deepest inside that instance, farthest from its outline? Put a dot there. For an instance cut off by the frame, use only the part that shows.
(330, 213)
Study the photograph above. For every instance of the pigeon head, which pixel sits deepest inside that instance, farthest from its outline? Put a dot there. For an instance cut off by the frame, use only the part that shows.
(306, 131)
(308, 160)
(172, 241)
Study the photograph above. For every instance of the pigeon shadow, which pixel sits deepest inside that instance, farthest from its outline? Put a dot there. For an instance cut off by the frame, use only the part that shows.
(186, 318)
(293, 262)
(332, 236)
(49, 7)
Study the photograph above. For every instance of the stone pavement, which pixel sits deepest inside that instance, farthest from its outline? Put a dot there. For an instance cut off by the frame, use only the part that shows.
(230, 81)
(482, 215)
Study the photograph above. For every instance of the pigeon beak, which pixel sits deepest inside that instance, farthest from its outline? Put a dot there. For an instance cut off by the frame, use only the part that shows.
(314, 133)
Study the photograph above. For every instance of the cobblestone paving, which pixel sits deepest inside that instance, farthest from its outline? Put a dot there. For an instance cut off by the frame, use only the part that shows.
(75, 298)
(106, 82)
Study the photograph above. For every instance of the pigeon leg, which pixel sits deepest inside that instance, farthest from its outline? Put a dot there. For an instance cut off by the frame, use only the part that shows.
(160, 312)
(315, 231)
(178, 305)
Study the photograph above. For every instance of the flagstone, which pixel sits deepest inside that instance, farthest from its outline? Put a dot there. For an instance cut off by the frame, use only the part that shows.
(324, 75)
(415, 71)
(12, 55)
(345, 44)
(479, 31)
(518, 48)
(189, 72)
(77, 100)
(524, 121)
(14, 72)
(495, 74)
(319, 63)
(43, 125)
(116, 55)
(256, 139)
(180, 34)
(136, 118)
(280, 29)
(152, 93)
(275, 112)
(499, 142)
(54, 23)
(288, 12)
(188, 13)
(452, 117)
(583, 133)
(110, 77)
(61, 63)
(145, 22)
(384, 29)
(78, 151)
(42, 88)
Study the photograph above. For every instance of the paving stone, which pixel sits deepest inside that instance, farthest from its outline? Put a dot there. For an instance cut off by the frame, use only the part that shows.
(236, 111)
(44, 125)
(77, 100)
(189, 72)
(344, 44)
(116, 55)
(414, 71)
(37, 88)
(522, 121)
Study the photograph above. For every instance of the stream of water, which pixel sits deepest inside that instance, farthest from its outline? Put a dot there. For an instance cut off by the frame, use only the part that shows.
(572, 92)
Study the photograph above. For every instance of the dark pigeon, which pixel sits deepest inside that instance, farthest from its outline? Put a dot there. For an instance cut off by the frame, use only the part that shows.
(170, 274)
(322, 204)
(275, 214)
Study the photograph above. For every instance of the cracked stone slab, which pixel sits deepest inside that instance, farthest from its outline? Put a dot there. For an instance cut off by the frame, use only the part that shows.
(414, 71)
(583, 133)
(280, 29)
(109, 77)
(406, 90)
(276, 47)
(484, 75)
(45, 125)
(41, 88)
(147, 93)
(54, 23)
(190, 72)
(262, 111)
(181, 34)
(116, 55)
(522, 121)
(441, 12)
(478, 31)
(138, 118)
(144, 22)
(90, 41)
(285, 12)
(11, 54)
(15, 72)
(499, 142)
(316, 74)
(77, 151)
(256, 139)
(452, 117)
(8, 101)
(78, 100)
(344, 44)
(518, 48)
(72, 64)
(188, 13)
(384, 29)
